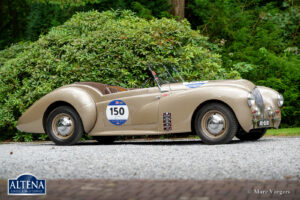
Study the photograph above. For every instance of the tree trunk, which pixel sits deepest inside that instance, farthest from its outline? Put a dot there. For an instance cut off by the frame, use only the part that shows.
(177, 8)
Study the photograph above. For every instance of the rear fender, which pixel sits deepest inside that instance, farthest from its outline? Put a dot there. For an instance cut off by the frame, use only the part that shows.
(32, 120)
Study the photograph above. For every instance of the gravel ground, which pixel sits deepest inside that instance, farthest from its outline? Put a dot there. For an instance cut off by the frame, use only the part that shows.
(268, 158)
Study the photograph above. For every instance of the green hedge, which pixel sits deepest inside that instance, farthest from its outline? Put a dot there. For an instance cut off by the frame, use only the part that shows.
(112, 47)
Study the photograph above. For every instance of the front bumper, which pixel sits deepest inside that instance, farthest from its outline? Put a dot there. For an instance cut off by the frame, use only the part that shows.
(273, 122)
(265, 111)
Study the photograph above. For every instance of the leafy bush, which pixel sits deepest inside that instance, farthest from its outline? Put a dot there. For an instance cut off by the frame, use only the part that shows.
(109, 47)
(13, 51)
(23, 137)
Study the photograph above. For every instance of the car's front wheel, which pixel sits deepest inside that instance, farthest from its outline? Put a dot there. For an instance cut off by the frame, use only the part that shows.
(215, 123)
(253, 135)
(64, 126)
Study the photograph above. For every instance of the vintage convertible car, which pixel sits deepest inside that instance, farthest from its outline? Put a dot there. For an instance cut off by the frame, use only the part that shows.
(215, 110)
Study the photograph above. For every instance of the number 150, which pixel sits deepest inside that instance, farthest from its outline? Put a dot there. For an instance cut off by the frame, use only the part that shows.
(117, 111)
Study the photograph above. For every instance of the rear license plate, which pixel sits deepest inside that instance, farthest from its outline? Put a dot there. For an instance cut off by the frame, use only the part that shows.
(264, 123)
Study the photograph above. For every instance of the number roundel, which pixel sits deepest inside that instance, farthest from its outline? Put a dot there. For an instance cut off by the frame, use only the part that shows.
(117, 112)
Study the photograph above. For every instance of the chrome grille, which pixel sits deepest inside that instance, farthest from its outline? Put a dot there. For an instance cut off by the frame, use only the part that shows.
(258, 99)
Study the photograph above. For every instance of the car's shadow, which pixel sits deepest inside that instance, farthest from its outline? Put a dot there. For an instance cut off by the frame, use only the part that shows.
(155, 142)
(132, 142)
(168, 142)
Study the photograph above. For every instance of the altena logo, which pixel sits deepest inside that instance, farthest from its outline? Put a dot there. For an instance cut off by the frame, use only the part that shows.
(26, 184)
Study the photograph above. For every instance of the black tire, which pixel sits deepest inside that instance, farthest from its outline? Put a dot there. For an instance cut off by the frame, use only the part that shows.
(105, 139)
(253, 135)
(67, 119)
(215, 111)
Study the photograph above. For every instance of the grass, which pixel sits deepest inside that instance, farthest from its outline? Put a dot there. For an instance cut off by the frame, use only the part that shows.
(284, 132)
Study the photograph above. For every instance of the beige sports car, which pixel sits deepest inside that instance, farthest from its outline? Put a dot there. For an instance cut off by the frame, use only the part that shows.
(215, 110)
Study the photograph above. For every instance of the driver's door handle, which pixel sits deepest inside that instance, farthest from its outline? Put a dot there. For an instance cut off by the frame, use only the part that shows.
(157, 97)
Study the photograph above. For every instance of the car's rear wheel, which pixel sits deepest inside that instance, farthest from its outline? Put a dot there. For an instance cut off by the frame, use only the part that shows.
(253, 135)
(105, 139)
(64, 126)
(215, 123)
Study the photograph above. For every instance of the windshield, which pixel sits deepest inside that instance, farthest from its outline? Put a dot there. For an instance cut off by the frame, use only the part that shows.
(165, 74)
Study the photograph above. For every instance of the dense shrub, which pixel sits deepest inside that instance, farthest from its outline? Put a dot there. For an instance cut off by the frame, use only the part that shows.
(109, 47)
(13, 51)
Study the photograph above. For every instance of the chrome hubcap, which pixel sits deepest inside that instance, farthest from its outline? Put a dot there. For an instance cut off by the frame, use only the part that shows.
(215, 124)
(63, 126)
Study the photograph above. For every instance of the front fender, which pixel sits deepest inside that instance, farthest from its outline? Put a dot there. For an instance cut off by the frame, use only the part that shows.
(184, 104)
(32, 120)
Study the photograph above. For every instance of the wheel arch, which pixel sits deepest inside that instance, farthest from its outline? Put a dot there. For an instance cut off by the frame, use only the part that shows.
(33, 120)
(204, 104)
(51, 107)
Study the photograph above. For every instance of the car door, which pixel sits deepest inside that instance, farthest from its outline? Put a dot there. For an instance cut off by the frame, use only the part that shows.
(128, 113)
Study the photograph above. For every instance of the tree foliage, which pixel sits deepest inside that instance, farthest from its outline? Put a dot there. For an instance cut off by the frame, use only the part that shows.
(109, 47)
(12, 20)
(260, 39)
(27, 20)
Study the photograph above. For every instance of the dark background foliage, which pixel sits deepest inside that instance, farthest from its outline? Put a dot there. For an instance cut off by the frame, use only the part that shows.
(27, 19)
(260, 39)
(256, 39)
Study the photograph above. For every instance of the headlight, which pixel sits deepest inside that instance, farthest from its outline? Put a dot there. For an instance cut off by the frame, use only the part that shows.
(280, 100)
(251, 99)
